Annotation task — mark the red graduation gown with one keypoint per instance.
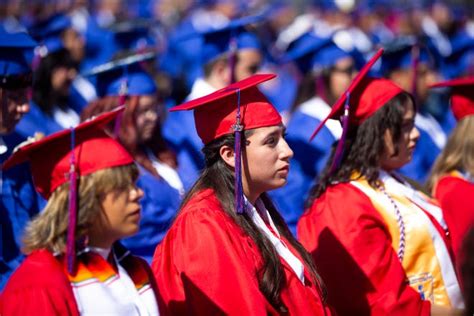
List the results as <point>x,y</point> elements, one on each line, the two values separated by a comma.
<point>455,195</point>
<point>352,248</point>
<point>38,287</point>
<point>206,265</point>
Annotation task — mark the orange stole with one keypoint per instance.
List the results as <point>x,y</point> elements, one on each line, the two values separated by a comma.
<point>426,262</point>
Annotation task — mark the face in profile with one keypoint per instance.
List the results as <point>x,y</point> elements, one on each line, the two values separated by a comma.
<point>14,106</point>
<point>121,213</point>
<point>146,117</point>
<point>266,159</point>
<point>399,152</point>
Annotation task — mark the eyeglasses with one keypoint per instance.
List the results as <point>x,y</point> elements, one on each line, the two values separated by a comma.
<point>16,82</point>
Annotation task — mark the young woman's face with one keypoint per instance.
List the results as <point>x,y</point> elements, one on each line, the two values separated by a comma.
<point>62,78</point>
<point>398,153</point>
<point>146,117</point>
<point>121,214</point>
<point>14,106</point>
<point>266,160</point>
<point>341,76</point>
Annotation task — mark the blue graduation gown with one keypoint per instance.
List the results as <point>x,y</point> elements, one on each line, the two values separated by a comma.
<point>19,203</point>
<point>308,162</point>
<point>159,206</point>
<point>37,121</point>
<point>181,135</point>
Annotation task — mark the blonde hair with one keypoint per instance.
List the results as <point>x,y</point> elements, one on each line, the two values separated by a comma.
<point>458,153</point>
<point>49,229</point>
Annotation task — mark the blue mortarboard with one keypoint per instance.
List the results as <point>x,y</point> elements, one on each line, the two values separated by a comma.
<point>48,33</point>
<point>461,59</point>
<point>218,41</point>
<point>311,52</point>
<point>111,77</point>
<point>13,53</point>
<point>132,35</point>
<point>399,54</point>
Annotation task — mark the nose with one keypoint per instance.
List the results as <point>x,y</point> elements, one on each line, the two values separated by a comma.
<point>415,134</point>
<point>136,193</point>
<point>286,152</point>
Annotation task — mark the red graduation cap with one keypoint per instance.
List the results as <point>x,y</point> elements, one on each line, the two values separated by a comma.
<point>63,156</point>
<point>364,96</point>
<point>50,157</point>
<point>215,115</point>
<point>462,96</point>
<point>231,110</point>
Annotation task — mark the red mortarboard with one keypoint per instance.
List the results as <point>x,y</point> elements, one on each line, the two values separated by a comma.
<point>366,95</point>
<point>462,96</point>
<point>50,157</point>
<point>216,114</point>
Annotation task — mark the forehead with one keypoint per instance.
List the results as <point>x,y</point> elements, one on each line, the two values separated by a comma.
<point>267,130</point>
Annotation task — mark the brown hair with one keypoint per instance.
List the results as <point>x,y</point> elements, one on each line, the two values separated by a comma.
<point>458,153</point>
<point>49,229</point>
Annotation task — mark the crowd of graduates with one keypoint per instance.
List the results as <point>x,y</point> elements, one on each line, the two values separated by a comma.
<point>237,157</point>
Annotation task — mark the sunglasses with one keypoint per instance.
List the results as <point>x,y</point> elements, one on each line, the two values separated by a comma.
<point>16,82</point>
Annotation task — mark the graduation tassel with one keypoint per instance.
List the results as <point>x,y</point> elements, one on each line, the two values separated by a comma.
<point>415,55</point>
<point>232,58</point>
<point>340,145</point>
<point>71,229</point>
<point>238,129</point>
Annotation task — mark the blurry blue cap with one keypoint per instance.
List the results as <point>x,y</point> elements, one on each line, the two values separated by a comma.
<point>48,33</point>
<point>461,59</point>
<point>111,77</point>
<point>13,52</point>
<point>218,41</point>
<point>310,52</point>
<point>132,34</point>
<point>399,54</point>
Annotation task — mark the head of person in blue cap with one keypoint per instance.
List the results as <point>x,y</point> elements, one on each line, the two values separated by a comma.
<point>411,64</point>
<point>124,81</point>
<point>15,77</point>
<point>55,33</point>
<point>327,70</point>
<point>231,53</point>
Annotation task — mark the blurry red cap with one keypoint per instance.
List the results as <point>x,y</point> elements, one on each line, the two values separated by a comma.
<point>462,96</point>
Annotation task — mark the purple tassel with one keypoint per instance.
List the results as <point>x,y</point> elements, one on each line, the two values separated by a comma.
<point>340,145</point>
<point>239,191</point>
<point>71,230</point>
<point>415,54</point>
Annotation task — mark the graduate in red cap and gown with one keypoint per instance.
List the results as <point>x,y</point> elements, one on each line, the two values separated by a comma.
<point>452,177</point>
<point>379,244</point>
<point>75,264</point>
<point>229,251</point>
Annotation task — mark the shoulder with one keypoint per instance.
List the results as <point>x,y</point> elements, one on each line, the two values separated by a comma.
<point>450,185</point>
<point>40,269</point>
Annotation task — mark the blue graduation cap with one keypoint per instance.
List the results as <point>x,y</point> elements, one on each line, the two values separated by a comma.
<point>461,60</point>
<point>14,61</point>
<point>124,77</point>
<point>400,54</point>
<point>310,52</point>
<point>132,34</point>
<point>48,33</point>
<point>219,41</point>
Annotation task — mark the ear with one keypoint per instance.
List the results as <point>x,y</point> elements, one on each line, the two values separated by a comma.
<point>227,154</point>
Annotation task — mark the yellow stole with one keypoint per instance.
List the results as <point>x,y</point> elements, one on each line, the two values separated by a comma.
<point>426,259</point>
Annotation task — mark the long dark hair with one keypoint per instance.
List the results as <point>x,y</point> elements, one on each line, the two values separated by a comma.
<point>364,146</point>
<point>220,178</point>
<point>43,94</point>
<point>312,83</point>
